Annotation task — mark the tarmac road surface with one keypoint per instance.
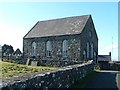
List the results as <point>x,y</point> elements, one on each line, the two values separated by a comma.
<point>106,79</point>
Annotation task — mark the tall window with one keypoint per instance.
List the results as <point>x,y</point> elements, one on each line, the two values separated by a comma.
<point>90,34</point>
<point>65,48</point>
<point>91,50</point>
<point>34,49</point>
<point>87,49</point>
<point>84,54</point>
<point>48,49</point>
<point>95,57</point>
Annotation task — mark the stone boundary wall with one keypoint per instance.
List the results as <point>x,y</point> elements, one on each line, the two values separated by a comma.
<point>61,78</point>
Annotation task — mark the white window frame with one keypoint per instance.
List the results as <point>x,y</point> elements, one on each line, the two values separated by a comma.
<point>95,56</point>
<point>48,49</point>
<point>91,50</point>
<point>84,54</point>
<point>34,45</point>
<point>88,50</point>
<point>64,48</point>
<point>90,34</point>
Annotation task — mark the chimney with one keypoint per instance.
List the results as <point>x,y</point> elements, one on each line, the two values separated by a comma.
<point>109,53</point>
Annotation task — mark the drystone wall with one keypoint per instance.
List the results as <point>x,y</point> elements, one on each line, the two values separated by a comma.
<point>61,78</point>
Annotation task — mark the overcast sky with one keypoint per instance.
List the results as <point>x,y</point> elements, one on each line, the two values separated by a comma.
<point>17,19</point>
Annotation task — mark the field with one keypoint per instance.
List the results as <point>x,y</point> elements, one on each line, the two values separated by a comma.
<point>8,69</point>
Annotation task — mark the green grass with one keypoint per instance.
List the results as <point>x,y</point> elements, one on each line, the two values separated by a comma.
<point>84,81</point>
<point>13,69</point>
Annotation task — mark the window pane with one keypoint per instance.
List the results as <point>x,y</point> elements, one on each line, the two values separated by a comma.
<point>65,48</point>
<point>48,48</point>
<point>88,50</point>
<point>91,50</point>
<point>33,49</point>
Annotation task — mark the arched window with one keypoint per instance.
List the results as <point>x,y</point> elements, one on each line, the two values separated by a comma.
<point>94,54</point>
<point>48,49</point>
<point>87,49</point>
<point>34,49</point>
<point>65,48</point>
<point>84,54</point>
<point>91,50</point>
<point>95,57</point>
<point>90,34</point>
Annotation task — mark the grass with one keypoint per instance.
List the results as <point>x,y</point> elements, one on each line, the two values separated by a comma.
<point>84,81</point>
<point>13,69</point>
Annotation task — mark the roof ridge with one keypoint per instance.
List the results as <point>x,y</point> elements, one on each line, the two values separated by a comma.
<point>64,18</point>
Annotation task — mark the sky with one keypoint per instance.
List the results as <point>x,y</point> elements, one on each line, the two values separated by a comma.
<point>17,18</point>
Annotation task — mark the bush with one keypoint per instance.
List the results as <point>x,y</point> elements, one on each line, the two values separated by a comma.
<point>96,67</point>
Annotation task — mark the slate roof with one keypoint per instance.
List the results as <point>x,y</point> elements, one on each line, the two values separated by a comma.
<point>104,58</point>
<point>56,27</point>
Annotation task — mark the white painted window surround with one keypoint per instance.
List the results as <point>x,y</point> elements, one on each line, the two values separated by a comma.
<point>48,48</point>
<point>95,56</point>
<point>34,48</point>
<point>88,49</point>
<point>91,50</point>
<point>65,48</point>
<point>84,54</point>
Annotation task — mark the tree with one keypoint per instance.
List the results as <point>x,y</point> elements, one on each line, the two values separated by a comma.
<point>4,48</point>
<point>11,50</point>
<point>7,50</point>
<point>17,52</point>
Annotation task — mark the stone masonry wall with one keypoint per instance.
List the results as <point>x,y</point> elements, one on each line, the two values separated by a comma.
<point>56,42</point>
<point>61,78</point>
<point>86,38</point>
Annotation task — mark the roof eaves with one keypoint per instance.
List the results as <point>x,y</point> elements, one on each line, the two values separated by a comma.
<point>54,36</point>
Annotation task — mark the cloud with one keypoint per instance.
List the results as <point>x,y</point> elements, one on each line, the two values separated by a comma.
<point>11,34</point>
<point>110,47</point>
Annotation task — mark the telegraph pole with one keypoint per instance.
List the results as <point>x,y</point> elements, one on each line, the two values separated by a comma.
<point>112,49</point>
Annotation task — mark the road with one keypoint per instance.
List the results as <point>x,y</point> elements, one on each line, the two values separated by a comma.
<point>105,79</point>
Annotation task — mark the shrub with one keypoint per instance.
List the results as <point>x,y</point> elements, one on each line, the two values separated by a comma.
<point>96,67</point>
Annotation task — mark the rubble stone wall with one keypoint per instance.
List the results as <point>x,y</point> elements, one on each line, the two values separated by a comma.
<point>73,52</point>
<point>61,78</point>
